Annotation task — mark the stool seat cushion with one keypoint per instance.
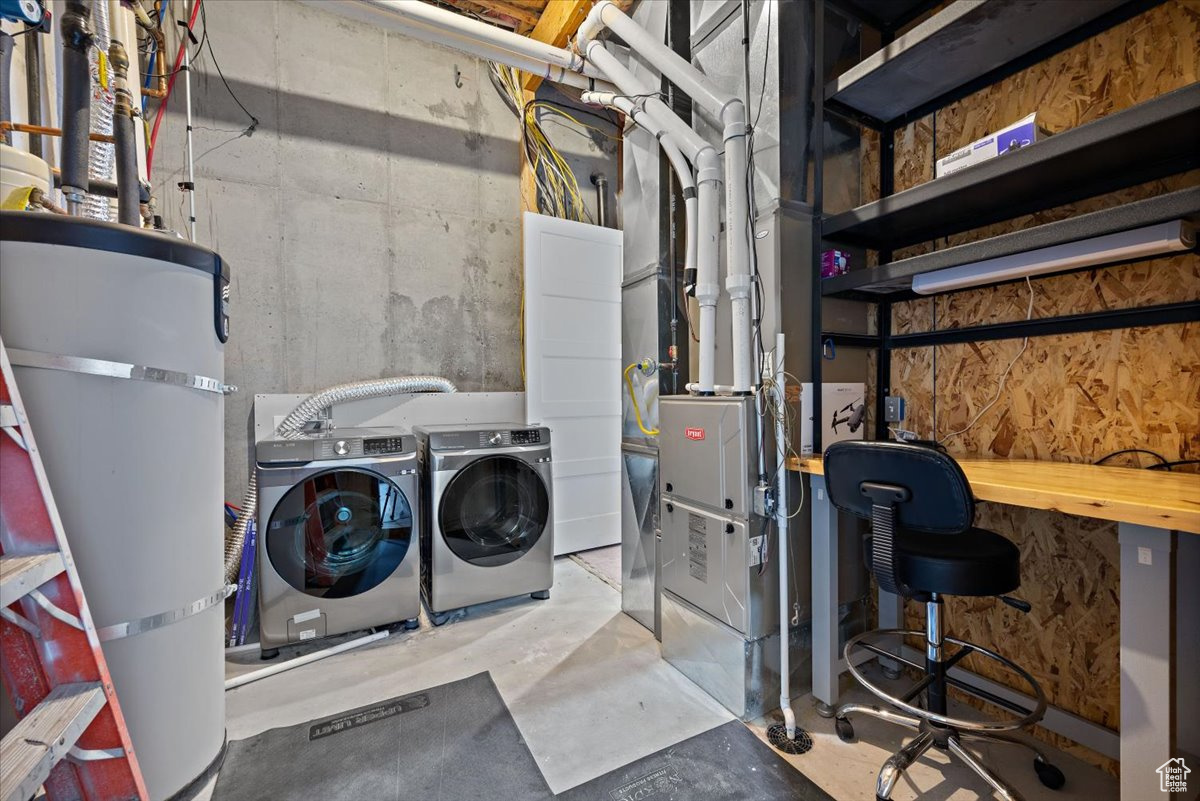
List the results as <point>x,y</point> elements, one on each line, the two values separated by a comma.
<point>976,562</point>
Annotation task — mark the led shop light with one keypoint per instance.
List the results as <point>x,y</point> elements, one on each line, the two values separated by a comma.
<point>1167,237</point>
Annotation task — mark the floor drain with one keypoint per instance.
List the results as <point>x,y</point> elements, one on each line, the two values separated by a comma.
<point>800,744</point>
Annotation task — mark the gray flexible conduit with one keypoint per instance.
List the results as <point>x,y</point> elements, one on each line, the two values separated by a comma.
<point>292,427</point>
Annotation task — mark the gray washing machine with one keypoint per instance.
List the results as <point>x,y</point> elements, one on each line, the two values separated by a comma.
<point>488,514</point>
<point>338,534</point>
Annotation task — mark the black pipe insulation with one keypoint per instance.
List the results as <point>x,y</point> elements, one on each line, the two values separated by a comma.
<point>6,50</point>
<point>33,89</point>
<point>93,186</point>
<point>77,102</point>
<point>128,189</point>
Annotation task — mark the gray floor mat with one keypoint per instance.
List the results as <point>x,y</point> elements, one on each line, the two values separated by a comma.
<point>456,742</point>
<point>727,763</point>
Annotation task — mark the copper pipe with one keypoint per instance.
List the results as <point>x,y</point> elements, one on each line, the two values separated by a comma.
<point>43,130</point>
<point>160,67</point>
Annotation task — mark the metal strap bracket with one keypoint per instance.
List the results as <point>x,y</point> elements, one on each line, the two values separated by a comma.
<point>78,754</point>
<point>20,621</point>
<point>131,628</point>
<point>109,369</point>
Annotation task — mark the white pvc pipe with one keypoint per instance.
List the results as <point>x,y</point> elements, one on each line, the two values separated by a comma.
<point>708,288</point>
<point>731,112</point>
<point>658,117</point>
<point>429,15</point>
<point>678,162</point>
<point>447,29</point>
<point>246,678</point>
<point>781,518</point>
<point>690,142</point>
<point>606,14</point>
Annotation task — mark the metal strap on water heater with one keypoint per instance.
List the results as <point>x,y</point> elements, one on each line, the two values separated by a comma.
<point>103,367</point>
<point>143,624</point>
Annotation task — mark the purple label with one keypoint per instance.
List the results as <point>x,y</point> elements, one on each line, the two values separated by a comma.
<point>1015,139</point>
<point>984,143</point>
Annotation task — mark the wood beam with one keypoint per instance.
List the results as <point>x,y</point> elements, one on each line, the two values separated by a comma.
<point>556,26</point>
<point>522,15</point>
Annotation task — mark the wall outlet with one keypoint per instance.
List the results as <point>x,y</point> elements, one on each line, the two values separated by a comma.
<point>893,409</point>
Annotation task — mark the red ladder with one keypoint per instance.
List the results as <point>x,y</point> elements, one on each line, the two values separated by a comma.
<point>71,738</point>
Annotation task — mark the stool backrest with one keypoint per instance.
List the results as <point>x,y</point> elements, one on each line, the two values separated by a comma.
<point>897,485</point>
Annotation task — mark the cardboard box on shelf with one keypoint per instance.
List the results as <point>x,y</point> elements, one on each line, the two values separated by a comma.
<point>1020,134</point>
<point>843,413</point>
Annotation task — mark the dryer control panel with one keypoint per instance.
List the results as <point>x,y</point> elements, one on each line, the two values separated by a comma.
<point>348,443</point>
<point>445,437</point>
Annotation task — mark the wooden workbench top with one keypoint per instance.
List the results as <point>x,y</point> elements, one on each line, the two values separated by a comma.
<point>1147,497</point>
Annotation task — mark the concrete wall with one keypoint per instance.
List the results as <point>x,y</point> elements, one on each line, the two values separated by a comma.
<point>372,220</point>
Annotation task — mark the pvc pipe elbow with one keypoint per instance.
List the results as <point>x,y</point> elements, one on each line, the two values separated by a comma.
<point>708,166</point>
<point>733,112</point>
<point>590,26</point>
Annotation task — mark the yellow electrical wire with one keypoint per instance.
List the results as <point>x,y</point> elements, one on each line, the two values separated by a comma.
<point>637,413</point>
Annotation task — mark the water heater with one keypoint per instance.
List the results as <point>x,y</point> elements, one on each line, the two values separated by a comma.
<point>117,338</point>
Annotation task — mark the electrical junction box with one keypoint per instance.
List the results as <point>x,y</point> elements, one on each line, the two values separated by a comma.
<point>843,413</point>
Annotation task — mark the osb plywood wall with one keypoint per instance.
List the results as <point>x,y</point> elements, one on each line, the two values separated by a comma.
<point>1072,398</point>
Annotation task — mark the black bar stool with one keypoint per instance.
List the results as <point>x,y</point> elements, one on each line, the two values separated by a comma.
<point>923,546</point>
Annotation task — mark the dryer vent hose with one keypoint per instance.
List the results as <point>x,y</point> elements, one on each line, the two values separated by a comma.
<point>292,427</point>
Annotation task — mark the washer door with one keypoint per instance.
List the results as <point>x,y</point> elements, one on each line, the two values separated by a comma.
<point>339,533</point>
<point>494,511</point>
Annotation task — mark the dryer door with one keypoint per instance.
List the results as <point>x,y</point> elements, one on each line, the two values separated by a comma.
<point>494,511</point>
<point>339,533</point>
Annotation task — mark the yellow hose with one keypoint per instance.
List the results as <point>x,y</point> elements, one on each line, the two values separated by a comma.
<point>637,413</point>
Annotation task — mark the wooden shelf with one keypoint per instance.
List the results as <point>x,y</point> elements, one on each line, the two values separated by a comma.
<point>966,43</point>
<point>893,281</point>
<point>1148,141</point>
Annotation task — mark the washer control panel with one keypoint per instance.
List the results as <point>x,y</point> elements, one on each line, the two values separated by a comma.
<point>531,436</point>
<point>383,445</point>
<point>501,439</point>
<point>347,443</point>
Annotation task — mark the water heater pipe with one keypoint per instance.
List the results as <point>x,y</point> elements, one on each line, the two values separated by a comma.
<point>77,103</point>
<point>730,111</point>
<point>7,44</point>
<point>128,189</point>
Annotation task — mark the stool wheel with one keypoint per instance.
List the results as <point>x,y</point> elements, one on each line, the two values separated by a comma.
<point>1048,774</point>
<point>845,730</point>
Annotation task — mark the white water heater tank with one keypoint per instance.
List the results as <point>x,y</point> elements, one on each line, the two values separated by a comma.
<point>136,464</point>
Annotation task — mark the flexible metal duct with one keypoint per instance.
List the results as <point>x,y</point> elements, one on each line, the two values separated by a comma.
<point>292,427</point>
<point>102,155</point>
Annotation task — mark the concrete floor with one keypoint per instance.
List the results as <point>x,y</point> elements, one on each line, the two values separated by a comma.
<point>589,692</point>
<point>604,562</point>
